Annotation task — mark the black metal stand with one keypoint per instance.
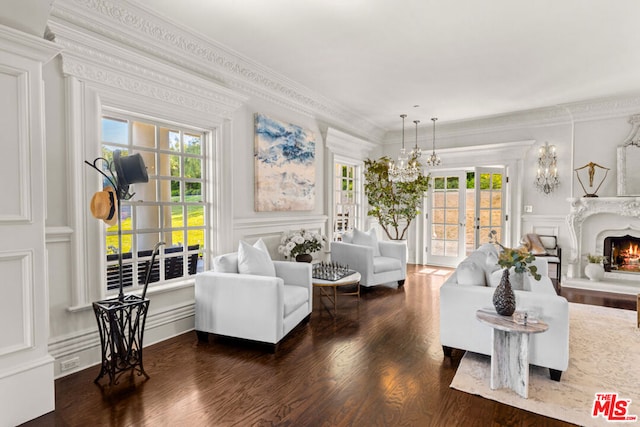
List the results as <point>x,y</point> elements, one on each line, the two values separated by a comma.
<point>121,326</point>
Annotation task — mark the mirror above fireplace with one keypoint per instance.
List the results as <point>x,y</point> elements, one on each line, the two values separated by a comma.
<point>628,159</point>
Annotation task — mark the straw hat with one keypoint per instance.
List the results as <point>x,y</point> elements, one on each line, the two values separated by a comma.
<point>103,205</point>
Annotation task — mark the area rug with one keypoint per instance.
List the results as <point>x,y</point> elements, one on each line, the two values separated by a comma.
<point>604,357</point>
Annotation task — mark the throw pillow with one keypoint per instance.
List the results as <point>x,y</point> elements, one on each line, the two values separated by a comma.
<point>549,242</point>
<point>535,245</point>
<point>255,259</point>
<point>227,263</point>
<point>490,266</point>
<point>470,273</point>
<point>516,279</point>
<point>347,237</point>
<point>366,239</point>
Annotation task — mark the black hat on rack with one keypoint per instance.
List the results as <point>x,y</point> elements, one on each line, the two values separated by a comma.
<point>130,170</point>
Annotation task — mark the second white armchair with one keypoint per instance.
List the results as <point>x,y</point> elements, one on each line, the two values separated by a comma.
<point>377,262</point>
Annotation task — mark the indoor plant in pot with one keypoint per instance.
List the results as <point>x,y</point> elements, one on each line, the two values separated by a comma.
<point>594,270</point>
<point>301,244</point>
<point>393,204</point>
<point>504,299</point>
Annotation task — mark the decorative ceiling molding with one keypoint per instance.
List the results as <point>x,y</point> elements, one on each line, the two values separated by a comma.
<point>138,27</point>
<point>594,109</point>
<point>347,145</point>
<point>93,60</point>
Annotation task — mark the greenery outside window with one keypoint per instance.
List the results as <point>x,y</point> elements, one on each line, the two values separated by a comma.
<point>346,199</point>
<point>171,207</point>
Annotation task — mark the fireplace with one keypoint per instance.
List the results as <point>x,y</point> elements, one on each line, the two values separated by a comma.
<point>622,254</point>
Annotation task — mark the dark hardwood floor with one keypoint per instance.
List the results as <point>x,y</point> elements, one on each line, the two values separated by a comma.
<point>377,363</point>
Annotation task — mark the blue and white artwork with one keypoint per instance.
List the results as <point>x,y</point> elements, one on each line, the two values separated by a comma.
<point>285,166</point>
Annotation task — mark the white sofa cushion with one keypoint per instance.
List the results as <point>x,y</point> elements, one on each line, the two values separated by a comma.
<point>470,273</point>
<point>385,263</point>
<point>255,259</point>
<point>294,297</point>
<point>367,239</point>
<point>516,279</point>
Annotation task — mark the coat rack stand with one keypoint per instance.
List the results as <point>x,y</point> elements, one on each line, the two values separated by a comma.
<point>121,320</point>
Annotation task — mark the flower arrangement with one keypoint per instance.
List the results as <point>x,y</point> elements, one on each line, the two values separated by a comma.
<point>300,242</point>
<point>595,259</point>
<point>518,258</point>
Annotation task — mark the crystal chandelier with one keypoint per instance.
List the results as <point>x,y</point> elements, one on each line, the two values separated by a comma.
<point>405,169</point>
<point>547,175</point>
<point>434,159</point>
<point>416,152</point>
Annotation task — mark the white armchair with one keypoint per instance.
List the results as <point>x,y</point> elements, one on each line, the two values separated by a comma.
<point>249,306</point>
<point>377,262</point>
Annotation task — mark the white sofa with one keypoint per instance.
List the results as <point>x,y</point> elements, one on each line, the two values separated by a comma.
<point>254,307</point>
<point>470,288</point>
<point>378,262</point>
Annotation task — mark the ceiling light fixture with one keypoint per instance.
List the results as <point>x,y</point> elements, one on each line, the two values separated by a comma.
<point>416,152</point>
<point>404,169</point>
<point>434,159</point>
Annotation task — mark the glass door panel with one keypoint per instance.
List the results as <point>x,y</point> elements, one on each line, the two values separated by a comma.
<point>445,220</point>
<point>490,212</point>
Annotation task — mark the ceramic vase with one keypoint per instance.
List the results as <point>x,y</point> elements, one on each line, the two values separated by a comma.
<point>594,271</point>
<point>504,300</point>
<point>304,258</point>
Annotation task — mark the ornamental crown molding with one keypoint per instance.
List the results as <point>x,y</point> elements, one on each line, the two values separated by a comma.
<point>92,60</point>
<point>347,145</point>
<point>140,28</point>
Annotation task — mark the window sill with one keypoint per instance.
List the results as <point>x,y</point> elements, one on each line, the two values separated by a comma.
<point>151,290</point>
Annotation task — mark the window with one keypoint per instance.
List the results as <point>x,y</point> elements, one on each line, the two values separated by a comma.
<point>346,199</point>
<point>171,207</point>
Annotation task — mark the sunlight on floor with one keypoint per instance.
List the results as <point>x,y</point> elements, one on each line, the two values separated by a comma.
<point>434,270</point>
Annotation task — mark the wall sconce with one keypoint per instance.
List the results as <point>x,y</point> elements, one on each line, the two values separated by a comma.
<point>547,174</point>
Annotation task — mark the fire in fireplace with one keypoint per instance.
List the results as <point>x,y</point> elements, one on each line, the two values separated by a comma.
<point>622,254</point>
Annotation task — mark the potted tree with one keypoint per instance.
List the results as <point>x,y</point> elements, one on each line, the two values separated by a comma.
<point>393,204</point>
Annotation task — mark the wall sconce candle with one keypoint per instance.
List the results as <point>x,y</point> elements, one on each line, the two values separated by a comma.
<point>547,174</point>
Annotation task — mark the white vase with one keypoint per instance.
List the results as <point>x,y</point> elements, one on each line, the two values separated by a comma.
<point>595,272</point>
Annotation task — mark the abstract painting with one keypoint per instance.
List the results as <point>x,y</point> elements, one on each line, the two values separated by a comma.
<point>285,166</point>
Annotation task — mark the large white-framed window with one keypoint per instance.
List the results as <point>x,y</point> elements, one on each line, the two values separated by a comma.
<point>347,197</point>
<point>170,208</point>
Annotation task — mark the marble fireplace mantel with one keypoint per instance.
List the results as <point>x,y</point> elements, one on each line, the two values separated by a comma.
<point>616,213</point>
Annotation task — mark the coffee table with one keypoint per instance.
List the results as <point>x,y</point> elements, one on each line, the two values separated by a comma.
<point>323,285</point>
<point>510,350</point>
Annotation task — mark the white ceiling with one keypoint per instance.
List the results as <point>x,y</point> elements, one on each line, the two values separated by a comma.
<point>456,59</point>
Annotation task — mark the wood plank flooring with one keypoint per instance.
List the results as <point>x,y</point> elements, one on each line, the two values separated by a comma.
<point>378,362</point>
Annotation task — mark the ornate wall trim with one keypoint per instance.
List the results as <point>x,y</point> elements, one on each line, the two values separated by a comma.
<point>584,208</point>
<point>138,27</point>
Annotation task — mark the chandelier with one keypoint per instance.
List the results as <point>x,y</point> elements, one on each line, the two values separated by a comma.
<point>547,174</point>
<point>434,159</point>
<point>405,169</point>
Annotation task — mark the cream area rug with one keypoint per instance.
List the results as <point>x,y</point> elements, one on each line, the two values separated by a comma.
<point>604,357</point>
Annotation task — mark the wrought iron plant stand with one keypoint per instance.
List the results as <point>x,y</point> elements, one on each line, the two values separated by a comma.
<point>121,320</point>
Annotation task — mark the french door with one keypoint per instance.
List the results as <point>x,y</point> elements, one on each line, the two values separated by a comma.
<point>462,208</point>
<point>490,204</point>
<point>446,221</point>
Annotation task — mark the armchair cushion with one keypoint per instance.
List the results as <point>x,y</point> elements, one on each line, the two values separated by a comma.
<point>227,263</point>
<point>294,297</point>
<point>383,263</point>
<point>255,259</point>
<point>366,239</point>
